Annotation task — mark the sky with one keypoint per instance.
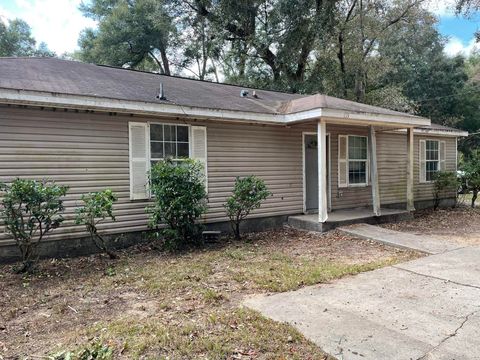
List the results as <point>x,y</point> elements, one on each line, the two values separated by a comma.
<point>59,22</point>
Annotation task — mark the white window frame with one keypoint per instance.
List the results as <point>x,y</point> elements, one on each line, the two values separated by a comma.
<point>150,142</point>
<point>425,161</point>
<point>367,160</point>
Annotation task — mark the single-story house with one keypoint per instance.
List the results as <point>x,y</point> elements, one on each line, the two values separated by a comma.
<point>94,127</point>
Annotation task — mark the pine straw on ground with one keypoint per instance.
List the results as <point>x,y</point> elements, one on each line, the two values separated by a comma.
<point>460,224</point>
<point>151,304</point>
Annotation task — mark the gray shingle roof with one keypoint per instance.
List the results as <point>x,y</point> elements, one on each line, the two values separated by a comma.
<point>75,78</point>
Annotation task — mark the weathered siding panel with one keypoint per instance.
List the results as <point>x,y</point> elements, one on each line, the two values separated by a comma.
<point>346,197</point>
<point>89,152</point>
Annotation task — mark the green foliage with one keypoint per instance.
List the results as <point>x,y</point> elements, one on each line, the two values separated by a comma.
<point>94,351</point>
<point>16,40</point>
<point>179,196</point>
<point>97,206</point>
<point>130,33</point>
<point>472,175</point>
<point>445,183</point>
<point>248,194</point>
<point>31,210</point>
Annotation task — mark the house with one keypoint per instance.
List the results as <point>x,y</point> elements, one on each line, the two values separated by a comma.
<point>94,127</point>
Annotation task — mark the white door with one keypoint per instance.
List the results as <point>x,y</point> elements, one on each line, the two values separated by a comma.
<point>311,171</point>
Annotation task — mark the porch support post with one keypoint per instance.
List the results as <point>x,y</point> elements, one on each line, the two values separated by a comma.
<point>410,197</point>
<point>372,147</point>
<point>322,171</point>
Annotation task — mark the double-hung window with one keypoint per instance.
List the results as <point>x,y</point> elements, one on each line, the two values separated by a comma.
<point>357,160</point>
<point>152,142</point>
<point>352,160</point>
<point>432,159</point>
<point>169,142</point>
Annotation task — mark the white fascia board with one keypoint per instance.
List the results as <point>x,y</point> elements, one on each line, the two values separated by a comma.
<point>40,98</point>
<point>436,132</point>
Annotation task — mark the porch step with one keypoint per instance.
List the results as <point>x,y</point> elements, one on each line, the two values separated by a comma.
<point>347,217</point>
<point>426,244</point>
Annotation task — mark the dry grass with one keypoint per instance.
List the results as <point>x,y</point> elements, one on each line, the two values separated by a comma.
<point>460,225</point>
<point>150,304</point>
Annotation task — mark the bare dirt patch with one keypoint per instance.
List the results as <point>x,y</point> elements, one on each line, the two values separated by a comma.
<point>152,304</point>
<point>460,225</point>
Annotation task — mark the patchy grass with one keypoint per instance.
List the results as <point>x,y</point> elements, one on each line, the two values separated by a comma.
<point>149,304</point>
<point>460,224</point>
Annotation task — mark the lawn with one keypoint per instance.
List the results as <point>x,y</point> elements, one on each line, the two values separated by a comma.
<point>152,304</point>
<point>460,224</point>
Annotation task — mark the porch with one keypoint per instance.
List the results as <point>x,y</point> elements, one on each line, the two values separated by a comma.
<point>345,217</point>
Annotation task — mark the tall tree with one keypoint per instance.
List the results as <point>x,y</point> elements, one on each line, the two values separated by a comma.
<point>134,33</point>
<point>16,39</point>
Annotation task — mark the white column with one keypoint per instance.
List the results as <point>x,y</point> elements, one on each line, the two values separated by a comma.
<point>322,171</point>
<point>410,197</point>
<point>372,147</point>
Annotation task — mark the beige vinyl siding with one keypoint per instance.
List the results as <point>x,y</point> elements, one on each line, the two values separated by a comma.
<point>423,191</point>
<point>346,197</point>
<point>392,167</point>
<point>89,152</point>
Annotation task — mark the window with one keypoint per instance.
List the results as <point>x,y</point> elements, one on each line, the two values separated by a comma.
<point>432,159</point>
<point>169,141</point>
<point>357,160</point>
<point>152,142</point>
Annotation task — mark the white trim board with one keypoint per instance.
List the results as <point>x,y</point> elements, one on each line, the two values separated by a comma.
<point>41,98</point>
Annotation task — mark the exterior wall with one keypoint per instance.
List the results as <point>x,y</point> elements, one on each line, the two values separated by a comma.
<point>392,167</point>
<point>89,152</point>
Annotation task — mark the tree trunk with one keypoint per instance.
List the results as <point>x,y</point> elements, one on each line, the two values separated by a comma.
<point>474,197</point>
<point>237,230</point>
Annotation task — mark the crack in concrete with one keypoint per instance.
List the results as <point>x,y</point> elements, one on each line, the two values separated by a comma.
<point>455,332</point>
<point>435,277</point>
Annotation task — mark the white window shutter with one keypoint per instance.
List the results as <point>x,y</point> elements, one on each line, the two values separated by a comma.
<point>422,161</point>
<point>442,154</point>
<point>342,160</point>
<point>138,150</point>
<point>199,148</point>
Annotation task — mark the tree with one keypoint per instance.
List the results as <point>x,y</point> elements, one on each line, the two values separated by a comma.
<point>16,39</point>
<point>248,194</point>
<point>97,207</point>
<point>179,199</point>
<point>135,33</point>
<point>31,210</point>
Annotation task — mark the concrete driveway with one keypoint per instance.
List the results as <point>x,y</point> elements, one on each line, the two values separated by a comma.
<point>428,308</point>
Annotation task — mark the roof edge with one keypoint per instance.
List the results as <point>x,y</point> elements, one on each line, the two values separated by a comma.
<point>43,98</point>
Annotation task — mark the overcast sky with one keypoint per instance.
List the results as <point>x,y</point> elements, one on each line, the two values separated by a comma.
<point>58,23</point>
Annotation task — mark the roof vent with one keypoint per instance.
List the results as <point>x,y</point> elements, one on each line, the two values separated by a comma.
<point>161,94</point>
<point>243,93</point>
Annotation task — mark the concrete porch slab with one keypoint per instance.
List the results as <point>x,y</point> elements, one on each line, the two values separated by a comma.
<point>346,217</point>
<point>426,244</point>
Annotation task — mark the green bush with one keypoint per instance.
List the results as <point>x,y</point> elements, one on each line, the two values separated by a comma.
<point>472,175</point>
<point>444,184</point>
<point>248,194</point>
<point>179,195</point>
<point>97,206</point>
<point>31,210</point>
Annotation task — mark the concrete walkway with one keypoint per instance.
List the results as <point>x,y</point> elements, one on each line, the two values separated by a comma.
<point>427,244</point>
<point>428,308</point>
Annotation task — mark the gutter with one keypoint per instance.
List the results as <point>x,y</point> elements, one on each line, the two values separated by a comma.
<point>49,99</point>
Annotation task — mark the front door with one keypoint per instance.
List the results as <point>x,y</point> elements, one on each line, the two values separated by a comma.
<point>311,172</point>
